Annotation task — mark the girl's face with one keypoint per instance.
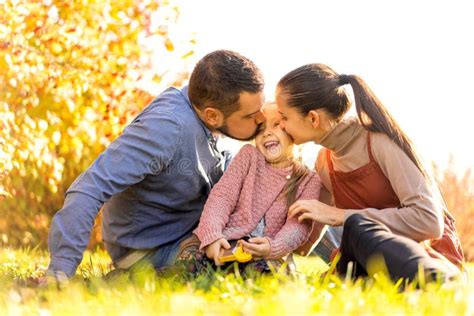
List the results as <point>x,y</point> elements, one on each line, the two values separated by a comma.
<point>299,127</point>
<point>275,145</point>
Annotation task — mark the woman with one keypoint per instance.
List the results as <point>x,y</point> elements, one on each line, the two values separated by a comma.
<point>389,206</point>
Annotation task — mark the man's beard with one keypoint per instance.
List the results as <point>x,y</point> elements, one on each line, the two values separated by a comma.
<point>224,129</point>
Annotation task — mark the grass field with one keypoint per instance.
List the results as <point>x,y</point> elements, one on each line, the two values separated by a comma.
<point>217,294</point>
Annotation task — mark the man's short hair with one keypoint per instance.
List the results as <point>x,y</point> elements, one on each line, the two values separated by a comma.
<point>220,77</point>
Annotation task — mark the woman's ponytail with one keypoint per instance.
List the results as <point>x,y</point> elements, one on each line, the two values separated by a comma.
<point>375,118</point>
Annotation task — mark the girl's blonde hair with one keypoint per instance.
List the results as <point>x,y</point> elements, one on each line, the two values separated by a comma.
<point>300,171</point>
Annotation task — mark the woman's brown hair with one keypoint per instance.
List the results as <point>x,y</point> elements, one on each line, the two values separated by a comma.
<point>317,86</point>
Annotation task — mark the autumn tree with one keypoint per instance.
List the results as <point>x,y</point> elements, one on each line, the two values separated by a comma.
<point>72,75</point>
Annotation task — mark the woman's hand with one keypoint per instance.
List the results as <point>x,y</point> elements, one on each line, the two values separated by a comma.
<point>215,250</point>
<point>258,247</point>
<point>317,211</point>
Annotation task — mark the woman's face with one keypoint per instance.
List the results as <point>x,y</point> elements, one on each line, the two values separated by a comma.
<point>274,144</point>
<point>299,127</point>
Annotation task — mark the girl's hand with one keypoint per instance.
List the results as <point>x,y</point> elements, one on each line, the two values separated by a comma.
<point>317,211</point>
<point>215,250</point>
<point>258,247</point>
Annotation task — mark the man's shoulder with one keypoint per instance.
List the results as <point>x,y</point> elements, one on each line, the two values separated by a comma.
<point>170,101</point>
<point>174,104</point>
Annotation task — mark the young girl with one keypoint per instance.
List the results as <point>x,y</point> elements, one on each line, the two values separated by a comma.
<point>252,199</point>
<point>371,173</point>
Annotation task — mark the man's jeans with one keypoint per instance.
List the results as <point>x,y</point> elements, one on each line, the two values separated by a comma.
<point>330,241</point>
<point>160,257</point>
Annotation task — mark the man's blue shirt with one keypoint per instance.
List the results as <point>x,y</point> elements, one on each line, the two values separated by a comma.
<point>152,182</point>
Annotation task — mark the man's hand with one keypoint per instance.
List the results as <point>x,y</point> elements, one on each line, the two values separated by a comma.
<point>258,247</point>
<point>216,249</point>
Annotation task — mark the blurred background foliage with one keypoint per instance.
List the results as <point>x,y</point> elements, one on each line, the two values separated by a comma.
<point>72,75</point>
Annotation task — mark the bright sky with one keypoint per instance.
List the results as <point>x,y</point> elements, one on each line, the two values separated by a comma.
<point>417,56</point>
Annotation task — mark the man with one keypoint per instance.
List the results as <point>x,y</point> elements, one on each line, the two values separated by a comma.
<point>153,180</point>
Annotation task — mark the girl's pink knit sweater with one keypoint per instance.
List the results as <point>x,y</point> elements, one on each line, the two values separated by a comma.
<point>249,190</point>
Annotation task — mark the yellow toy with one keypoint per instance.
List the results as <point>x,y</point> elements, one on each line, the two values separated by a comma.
<point>238,254</point>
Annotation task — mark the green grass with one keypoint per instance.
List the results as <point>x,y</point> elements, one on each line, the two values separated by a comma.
<point>217,294</point>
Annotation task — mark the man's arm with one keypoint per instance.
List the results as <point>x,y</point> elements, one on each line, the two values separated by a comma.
<point>70,232</point>
<point>145,147</point>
